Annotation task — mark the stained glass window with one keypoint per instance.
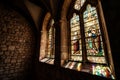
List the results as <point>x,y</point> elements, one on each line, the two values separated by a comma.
<point>51,43</point>
<point>50,48</point>
<point>95,47</point>
<point>76,46</point>
<point>78,4</point>
<point>76,49</point>
<point>93,38</point>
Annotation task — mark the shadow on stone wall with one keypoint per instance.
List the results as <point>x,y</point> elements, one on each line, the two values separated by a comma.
<point>17,45</point>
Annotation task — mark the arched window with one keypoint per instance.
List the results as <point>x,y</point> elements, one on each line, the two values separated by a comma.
<point>93,37</point>
<point>49,44</point>
<point>76,48</point>
<point>88,48</point>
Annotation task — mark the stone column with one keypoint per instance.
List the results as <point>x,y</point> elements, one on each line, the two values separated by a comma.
<point>57,43</point>
<point>64,31</point>
<point>64,40</point>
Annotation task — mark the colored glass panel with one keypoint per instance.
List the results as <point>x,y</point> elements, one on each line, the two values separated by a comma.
<point>76,48</point>
<point>101,70</point>
<point>93,37</point>
<point>78,4</point>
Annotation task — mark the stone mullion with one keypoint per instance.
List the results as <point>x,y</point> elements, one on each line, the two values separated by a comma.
<point>84,51</point>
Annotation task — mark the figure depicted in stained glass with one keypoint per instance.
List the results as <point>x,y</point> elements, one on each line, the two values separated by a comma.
<point>76,44</point>
<point>91,40</point>
<point>94,42</point>
<point>93,31</point>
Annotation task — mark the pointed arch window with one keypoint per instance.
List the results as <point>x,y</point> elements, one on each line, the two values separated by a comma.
<point>88,43</point>
<point>93,38</point>
<point>50,44</point>
<point>51,41</point>
<point>76,48</point>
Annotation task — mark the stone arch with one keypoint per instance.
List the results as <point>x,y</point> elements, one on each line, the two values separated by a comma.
<point>44,35</point>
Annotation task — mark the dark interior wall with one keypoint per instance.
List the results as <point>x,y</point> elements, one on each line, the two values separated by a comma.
<point>17,45</point>
<point>35,11</point>
<point>112,16</point>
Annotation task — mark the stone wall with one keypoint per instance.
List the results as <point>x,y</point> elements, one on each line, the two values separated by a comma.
<point>17,45</point>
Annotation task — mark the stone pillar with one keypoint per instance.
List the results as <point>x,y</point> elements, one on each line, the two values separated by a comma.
<point>64,31</point>
<point>57,43</point>
<point>43,43</point>
<point>64,40</point>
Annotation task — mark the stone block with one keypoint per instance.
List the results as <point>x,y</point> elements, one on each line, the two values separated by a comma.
<point>11,47</point>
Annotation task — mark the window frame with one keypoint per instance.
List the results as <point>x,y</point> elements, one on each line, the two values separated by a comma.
<point>84,50</point>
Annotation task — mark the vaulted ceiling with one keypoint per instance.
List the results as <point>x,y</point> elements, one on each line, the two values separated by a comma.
<point>29,8</point>
<point>53,6</point>
<point>35,10</point>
